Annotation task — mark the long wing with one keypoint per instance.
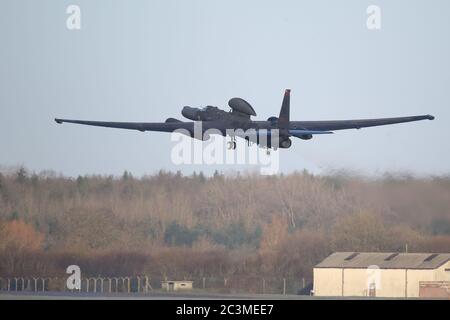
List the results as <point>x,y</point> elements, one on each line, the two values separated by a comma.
<point>168,126</point>
<point>353,124</point>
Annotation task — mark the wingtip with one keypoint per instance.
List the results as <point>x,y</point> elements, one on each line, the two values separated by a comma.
<point>58,121</point>
<point>430,117</point>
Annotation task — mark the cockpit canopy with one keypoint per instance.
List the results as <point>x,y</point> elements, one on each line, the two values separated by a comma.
<point>209,108</point>
<point>207,113</point>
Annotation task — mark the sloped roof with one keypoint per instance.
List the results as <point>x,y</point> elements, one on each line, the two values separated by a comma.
<point>384,260</point>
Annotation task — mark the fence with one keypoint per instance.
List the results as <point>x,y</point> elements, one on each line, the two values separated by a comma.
<point>253,285</point>
<point>145,284</point>
<point>132,284</point>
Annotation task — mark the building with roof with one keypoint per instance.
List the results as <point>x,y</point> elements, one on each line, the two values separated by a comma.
<point>396,275</point>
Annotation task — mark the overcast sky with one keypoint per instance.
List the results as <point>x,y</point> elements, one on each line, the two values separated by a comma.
<point>144,60</point>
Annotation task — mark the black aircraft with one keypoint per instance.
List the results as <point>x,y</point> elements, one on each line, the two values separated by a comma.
<point>237,123</point>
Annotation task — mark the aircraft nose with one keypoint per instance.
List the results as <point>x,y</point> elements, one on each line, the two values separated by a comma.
<point>190,113</point>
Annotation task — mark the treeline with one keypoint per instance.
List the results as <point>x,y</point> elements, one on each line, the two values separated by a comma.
<point>221,226</point>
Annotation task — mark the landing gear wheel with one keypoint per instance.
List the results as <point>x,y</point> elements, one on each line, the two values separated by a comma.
<point>286,143</point>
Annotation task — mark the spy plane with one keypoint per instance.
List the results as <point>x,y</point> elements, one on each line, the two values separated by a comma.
<point>275,132</point>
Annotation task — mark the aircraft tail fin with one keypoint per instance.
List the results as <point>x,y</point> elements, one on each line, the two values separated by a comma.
<point>283,119</point>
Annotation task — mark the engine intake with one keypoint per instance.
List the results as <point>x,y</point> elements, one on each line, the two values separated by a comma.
<point>242,106</point>
<point>273,121</point>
